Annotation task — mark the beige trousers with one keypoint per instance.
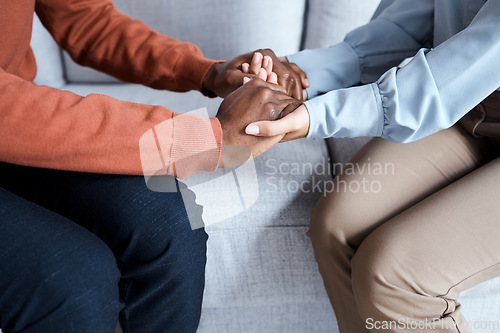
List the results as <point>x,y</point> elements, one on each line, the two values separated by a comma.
<point>395,256</point>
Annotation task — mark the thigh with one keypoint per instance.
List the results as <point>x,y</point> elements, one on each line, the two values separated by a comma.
<point>443,245</point>
<point>135,222</point>
<point>47,260</point>
<point>386,178</point>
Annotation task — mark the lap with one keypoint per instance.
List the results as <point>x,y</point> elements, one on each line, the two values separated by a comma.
<point>121,210</point>
<point>450,238</point>
<point>401,174</point>
<point>50,263</point>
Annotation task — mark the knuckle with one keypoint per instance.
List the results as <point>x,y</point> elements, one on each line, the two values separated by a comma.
<point>271,111</point>
<point>267,93</point>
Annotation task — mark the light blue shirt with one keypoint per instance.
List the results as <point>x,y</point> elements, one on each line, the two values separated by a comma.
<point>455,46</point>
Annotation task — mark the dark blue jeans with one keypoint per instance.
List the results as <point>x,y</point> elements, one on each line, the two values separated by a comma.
<point>80,251</point>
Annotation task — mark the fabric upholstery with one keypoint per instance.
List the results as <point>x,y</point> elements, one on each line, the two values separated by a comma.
<point>261,274</point>
<point>329,21</point>
<point>239,27</point>
<point>48,57</point>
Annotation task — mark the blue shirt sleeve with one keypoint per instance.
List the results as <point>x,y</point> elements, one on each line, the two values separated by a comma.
<point>432,92</point>
<point>398,30</point>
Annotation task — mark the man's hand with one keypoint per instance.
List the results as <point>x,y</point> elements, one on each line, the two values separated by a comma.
<point>223,78</point>
<point>254,101</point>
<point>294,124</point>
<point>290,76</point>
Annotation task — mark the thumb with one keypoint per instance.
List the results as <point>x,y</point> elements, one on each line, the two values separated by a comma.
<point>272,128</point>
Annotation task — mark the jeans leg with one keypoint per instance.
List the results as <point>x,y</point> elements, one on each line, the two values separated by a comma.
<point>56,276</point>
<point>162,261</point>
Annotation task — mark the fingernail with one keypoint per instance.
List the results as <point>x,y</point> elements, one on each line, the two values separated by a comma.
<point>266,61</point>
<point>306,81</point>
<point>252,130</point>
<point>245,67</point>
<point>245,80</point>
<point>257,57</point>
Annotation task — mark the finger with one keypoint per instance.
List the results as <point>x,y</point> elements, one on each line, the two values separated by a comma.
<point>256,63</point>
<point>272,128</point>
<point>245,67</point>
<point>277,87</point>
<point>267,64</point>
<point>262,74</point>
<point>303,76</point>
<point>272,78</point>
<point>298,91</point>
<point>290,136</point>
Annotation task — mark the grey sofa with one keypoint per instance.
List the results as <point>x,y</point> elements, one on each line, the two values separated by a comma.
<point>261,274</point>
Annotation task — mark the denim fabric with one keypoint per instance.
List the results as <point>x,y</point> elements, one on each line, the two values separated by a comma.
<point>77,248</point>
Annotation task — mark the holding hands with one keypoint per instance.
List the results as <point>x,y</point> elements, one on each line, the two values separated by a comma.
<point>255,100</point>
<point>224,78</point>
<point>266,110</point>
<point>293,122</point>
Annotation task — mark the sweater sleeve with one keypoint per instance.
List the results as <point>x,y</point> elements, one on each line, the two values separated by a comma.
<point>49,128</point>
<point>97,35</point>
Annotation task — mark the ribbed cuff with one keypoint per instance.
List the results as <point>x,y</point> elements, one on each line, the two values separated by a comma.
<point>196,145</point>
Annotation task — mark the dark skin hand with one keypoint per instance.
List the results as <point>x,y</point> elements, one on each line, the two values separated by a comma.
<point>224,78</point>
<point>255,101</point>
<point>290,76</point>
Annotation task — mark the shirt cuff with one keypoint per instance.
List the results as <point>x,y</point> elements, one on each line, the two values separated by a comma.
<point>196,146</point>
<point>328,69</point>
<point>351,112</point>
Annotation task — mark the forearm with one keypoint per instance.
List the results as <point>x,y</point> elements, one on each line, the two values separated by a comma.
<point>49,128</point>
<point>398,32</point>
<point>97,35</point>
<point>429,94</point>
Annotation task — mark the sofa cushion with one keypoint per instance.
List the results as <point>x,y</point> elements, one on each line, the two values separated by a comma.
<point>264,280</point>
<point>222,29</point>
<point>48,57</point>
<point>329,21</point>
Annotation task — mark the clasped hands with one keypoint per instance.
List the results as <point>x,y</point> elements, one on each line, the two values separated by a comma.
<point>262,105</point>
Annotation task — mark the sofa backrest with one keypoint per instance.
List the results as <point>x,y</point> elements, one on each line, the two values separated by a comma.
<point>329,21</point>
<point>226,28</point>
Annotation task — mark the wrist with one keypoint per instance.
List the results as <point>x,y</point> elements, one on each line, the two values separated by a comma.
<point>209,86</point>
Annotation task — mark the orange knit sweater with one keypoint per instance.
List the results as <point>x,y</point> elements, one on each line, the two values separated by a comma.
<point>50,128</point>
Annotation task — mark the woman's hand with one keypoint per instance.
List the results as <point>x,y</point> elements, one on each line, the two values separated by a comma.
<point>293,125</point>
<point>254,101</point>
